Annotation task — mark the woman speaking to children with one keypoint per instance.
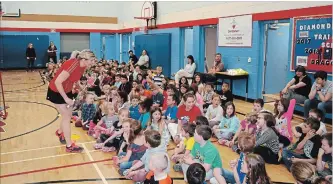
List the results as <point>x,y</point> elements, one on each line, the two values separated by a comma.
<point>60,92</point>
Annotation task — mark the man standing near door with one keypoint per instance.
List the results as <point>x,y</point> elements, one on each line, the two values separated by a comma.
<point>30,54</point>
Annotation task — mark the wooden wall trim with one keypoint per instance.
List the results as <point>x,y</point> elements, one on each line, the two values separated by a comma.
<point>63,18</point>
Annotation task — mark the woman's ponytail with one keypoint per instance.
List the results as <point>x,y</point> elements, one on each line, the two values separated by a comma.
<point>75,54</point>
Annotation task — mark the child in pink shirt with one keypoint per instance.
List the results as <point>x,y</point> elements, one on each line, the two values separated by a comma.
<point>284,110</point>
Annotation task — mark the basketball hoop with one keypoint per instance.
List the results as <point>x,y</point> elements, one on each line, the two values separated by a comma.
<point>148,13</point>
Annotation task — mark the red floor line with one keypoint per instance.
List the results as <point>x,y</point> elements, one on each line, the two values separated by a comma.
<point>53,168</point>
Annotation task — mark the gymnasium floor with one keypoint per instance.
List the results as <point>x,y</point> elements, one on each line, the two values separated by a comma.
<point>31,153</point>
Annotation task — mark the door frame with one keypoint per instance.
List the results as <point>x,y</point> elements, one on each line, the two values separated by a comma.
<point>216,46</point>
<point>182,64</point>
<point>263,49</point>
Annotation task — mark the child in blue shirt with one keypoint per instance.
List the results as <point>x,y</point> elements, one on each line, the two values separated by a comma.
<point>117,81</point>
<point>134,109</point>
<point>171,111</point>
<point>144,109</point>
<point>246,143</point>
<point>228,126</point>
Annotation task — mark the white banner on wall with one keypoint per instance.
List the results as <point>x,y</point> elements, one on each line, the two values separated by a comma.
<point>235,31</point>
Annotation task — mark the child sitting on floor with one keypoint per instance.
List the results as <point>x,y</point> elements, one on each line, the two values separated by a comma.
<point>248,125</point>
<point>267,139</point>
<point>88,111</point>
<point>184,148</point>
<point>105,125</point>
<point>307,146</point>
<point>157,123</point>
<point>325,157</point>
<point>316,113</point>
<point>134,108</point>
<point>214,112</point>
<point>196,174</point>
<point>144,109</point>
<point>207,95</point>
<point>139,170</point>
<point>136,149</point>
<point>225,94</point>
<point>228,126</point>
<point>159,165</point>
<point>283,120</point>
<point>205,153</point>
<point>246,144</point>
<point>110,142</point>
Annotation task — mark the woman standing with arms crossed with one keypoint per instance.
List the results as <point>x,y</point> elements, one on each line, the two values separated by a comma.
<point>60,92</point>
<point>30,53</point>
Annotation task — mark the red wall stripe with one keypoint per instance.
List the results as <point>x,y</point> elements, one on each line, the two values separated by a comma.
<point>284,14</point>
<point>275,15</point>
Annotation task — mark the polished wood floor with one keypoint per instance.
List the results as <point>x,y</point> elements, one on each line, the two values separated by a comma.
<point>30,152</point>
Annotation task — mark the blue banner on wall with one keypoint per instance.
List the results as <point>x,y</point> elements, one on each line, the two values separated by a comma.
<point>312,46</point>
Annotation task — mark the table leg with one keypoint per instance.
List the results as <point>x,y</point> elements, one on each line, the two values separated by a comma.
<point>247,88</point>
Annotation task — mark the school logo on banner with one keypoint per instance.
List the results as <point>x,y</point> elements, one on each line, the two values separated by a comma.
<point>235,31</point>
<point>312,46</point>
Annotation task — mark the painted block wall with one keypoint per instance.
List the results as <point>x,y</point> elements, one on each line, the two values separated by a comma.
<point>176,56</point>
<point>96,44</point>
<point>55,37</point>
<point>78,8</point>
<point>185,11</point>
<point>238,58</point>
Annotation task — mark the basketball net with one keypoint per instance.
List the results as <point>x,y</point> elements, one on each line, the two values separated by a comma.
<point>139,26</point>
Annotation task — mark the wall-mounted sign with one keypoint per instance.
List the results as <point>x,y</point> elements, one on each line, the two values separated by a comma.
<point>235,31</point>
<point>312,43</point>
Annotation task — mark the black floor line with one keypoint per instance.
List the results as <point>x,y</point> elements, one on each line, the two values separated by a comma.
<point>57,116</point>
<point>86,180</point>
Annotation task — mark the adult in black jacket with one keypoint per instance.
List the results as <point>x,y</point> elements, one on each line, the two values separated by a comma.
<point>52,52</point>
<point>30,53</point>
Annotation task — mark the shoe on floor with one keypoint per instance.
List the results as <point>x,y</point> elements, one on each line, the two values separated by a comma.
<point>74,149</point>
<point>177,167</point>
<point>108,149</point>
<point>61,137</point>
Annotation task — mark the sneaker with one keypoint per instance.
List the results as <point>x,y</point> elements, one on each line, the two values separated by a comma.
<point>177,168</point>
<point>61,137</point>
<point>74,149</point>
<point>98,146</point>
<point>108,149</point>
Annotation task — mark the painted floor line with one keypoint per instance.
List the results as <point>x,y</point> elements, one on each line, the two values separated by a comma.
<point>53,168</point>
<point>42,148</point>
<point>40,158</point>
<point>94,164</point>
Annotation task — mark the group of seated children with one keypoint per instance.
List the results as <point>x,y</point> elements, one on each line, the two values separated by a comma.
<point>138,113</point>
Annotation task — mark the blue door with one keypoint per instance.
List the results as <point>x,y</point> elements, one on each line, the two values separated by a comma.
<point>158,47</point>
<point>188,44</point>
<point>109,46</point>
<point>277,56</point>
<point>125,47</point>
